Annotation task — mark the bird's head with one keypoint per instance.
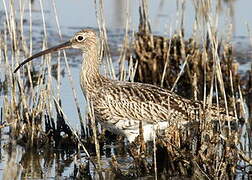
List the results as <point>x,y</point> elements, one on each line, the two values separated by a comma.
<point>84,40</point>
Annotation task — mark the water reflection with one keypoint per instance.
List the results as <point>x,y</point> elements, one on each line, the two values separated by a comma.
<point>19,163</point>
<point>46,163</point>
<point>31,163</point>
<point>12,168</point>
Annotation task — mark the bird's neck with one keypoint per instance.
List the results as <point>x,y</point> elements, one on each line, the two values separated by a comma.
<point>90,77</point>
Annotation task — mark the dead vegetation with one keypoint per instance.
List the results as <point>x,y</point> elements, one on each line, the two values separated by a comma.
<point>203,71</point>
<point>161,60</point>
<point>204,150</point>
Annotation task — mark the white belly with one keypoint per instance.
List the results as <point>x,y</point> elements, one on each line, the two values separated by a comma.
<point>130,129</point>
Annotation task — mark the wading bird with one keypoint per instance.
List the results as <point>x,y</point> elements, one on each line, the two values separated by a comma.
<point>120,106</point>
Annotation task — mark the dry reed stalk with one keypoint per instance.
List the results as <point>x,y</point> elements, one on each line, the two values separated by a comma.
<point>27,108</point>
<point>49,75</point>
<point>214,86</point>
<point>24,45</point>
<point>145,16</point>
<point>125,48</point>
<point>7,16</point>
<point>233,95</point>
<point>180,73</point>
<point>104,38</point>
<point>132,68</point>
<point>58,59</point>
<point>21,12</point>
<point>93,126</point>
<point>166,61</point>
<point>211,150</point>
<point>214,42</point>
<point>154,153</point>
<point>9,30</point>
<point>68,69</point>
<point>249,83</point>
<point>73,131</point>
<point>205,77</point>
<point>25,101</point>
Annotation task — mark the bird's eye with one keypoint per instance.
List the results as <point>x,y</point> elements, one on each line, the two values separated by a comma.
<point>80,38</point>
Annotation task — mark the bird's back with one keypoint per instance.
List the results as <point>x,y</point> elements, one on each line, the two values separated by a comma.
<point>118,100</point>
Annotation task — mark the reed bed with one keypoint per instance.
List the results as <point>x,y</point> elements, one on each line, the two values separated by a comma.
<point>32,108</point>
<point>30,105</point>
<point>202,70</point>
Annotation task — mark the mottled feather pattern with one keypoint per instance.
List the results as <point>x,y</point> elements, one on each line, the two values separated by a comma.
<point>144,102</point>
<point>121,106</point>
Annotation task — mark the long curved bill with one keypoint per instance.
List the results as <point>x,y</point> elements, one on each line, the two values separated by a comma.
<point>47,51</point>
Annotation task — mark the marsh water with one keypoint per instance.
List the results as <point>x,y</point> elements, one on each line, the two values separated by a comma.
<point>76,15</point>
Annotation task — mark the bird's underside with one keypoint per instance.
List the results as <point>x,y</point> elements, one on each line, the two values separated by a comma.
<point>120,106</point>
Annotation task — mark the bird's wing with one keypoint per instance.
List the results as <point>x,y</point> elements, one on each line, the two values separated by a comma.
<point>125,100</point>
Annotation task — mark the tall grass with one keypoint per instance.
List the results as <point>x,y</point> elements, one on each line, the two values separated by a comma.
<point>203,65</point>
<point>35,117</point>
<point>33,111</point>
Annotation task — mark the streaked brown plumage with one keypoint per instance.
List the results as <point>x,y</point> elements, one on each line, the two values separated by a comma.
<point>120,106</point>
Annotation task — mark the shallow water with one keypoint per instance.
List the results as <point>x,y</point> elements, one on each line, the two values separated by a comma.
<point>78,14</point>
